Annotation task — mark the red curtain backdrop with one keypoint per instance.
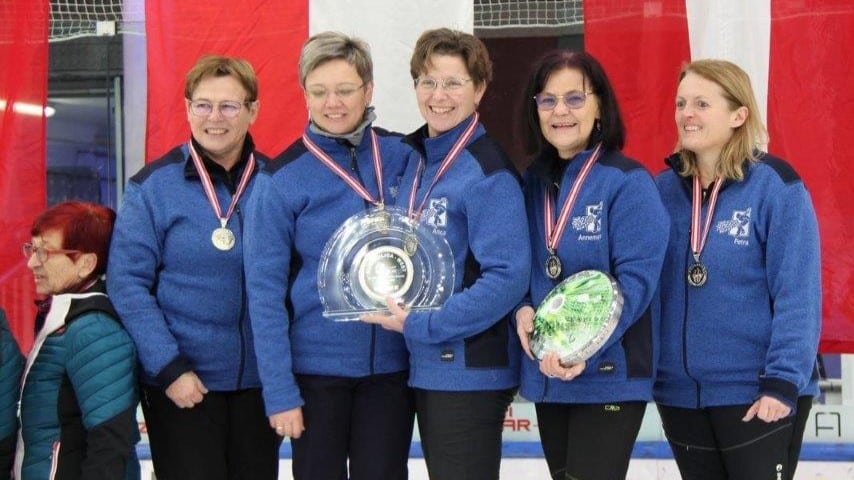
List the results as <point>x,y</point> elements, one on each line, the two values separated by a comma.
<point>23,80</point>
<point>267,33</point>
<point>642,46</point>
<point>810,98</point>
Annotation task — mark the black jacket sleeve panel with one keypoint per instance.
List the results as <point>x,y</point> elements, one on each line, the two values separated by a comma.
<point>7,456</point>
<point>107,452</point>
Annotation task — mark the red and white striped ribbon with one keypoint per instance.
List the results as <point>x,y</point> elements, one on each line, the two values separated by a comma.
<point>452,155</point>
<point>554,230</point>
<point>207,184</point>
<point>349,179</point>
<point>698,237</point>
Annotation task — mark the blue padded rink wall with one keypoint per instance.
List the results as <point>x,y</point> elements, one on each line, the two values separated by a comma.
<point>828,451</point>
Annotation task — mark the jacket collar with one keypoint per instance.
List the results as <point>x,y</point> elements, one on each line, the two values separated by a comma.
<point>354,138</point>
<point>435,148</point>
<point>215,170</point>
<point>674,161</point>
<point>550,168</point>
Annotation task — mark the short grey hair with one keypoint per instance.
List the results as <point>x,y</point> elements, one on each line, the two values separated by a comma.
<point>326,46</point>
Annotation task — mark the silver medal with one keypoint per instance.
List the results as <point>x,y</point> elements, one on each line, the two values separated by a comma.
<point>223,239</point>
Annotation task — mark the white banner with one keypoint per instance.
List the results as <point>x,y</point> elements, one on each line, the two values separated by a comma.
<point>734,30</point>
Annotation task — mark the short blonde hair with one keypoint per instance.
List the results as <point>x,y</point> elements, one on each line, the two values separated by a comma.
<point>748,137</point>
<point>327,46</point>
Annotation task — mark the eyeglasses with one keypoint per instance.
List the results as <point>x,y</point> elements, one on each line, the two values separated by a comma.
<point>42,253</point>
<point>450,84</point>
<point>573,100</point>
<point>343,91</point>
<point>228,108</point>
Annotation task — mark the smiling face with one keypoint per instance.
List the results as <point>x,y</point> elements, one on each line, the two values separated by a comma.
<point>337,96</point>
<point>566,129</point>
<point>59,272</point>
<point>705,120</point>
<point>221,137</point>
<point>441,108</point>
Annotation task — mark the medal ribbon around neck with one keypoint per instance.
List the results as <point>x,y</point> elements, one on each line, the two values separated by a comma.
<point>349,179</point>
<point>449,159</point>
<point>554,230</point>
<point>698,237</point>
<point>209,188</point>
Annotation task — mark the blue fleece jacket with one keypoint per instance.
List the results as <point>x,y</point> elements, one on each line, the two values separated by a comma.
<point>468,345</point>
<point>298,205</point>
<point>182,300</point>
<point>753,328</point>
<point>617,225</point>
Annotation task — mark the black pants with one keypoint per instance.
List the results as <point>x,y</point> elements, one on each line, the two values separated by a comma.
<point>461,432</point>
<point>714,444</point>
<point>366,420</point>
<point>225,437</point>
<point>589,441</point>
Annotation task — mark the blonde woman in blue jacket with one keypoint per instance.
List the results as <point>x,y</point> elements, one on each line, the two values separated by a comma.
<point>740,290</point>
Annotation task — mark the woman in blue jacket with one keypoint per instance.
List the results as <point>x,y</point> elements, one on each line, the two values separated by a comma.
<point>338,389</point>
<point>464,356</point>
<point>740,290</point>
<point>589,414</point>
<point>79,393</point>
<point>176,277</point>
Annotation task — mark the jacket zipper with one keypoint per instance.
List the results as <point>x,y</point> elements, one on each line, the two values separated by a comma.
<point>685,336</point>
<point>240,321</point>
<point>354,167</point>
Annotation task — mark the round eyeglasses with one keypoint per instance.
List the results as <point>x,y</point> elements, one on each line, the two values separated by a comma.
<point>573,100</point>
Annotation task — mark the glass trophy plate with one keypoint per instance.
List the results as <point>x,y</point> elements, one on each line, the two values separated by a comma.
<point>379,253</point>
<point>577,317</point>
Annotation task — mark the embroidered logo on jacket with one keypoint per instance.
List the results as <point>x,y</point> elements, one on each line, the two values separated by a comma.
<point>589,224</point>
<point>737,227</point>
<point>436,213</point>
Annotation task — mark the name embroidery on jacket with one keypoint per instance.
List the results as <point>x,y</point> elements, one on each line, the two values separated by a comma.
<point>737,227</point>
<point>589,224</point>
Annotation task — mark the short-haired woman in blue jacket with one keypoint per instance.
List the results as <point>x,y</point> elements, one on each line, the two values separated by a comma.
<point>176,278</point>
<point>464,356</point>
<point>338,389</point>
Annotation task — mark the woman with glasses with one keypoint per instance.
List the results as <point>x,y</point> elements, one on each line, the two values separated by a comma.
<point>589,207</point>
<point>176,275</point>
<point>464,356</point>
<point>740,289</point>
<point>79,394</point>
<point>338,389</point>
